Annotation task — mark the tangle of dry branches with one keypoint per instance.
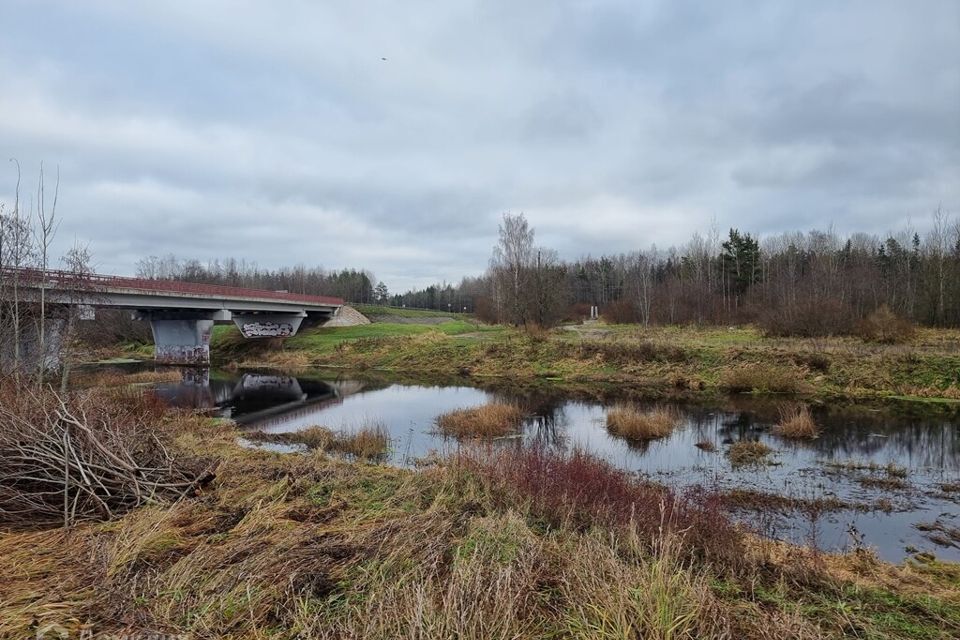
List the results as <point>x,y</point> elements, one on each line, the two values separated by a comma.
<point>84,456</point>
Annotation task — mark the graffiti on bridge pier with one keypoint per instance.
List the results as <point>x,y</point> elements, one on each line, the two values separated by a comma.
<point>266,330</point>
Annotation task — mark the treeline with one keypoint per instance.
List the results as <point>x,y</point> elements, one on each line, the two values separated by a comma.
<point>812,283</point>
<point>350,284</point>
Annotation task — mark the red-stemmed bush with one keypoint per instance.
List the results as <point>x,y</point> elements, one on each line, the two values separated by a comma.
<point>575,489</point>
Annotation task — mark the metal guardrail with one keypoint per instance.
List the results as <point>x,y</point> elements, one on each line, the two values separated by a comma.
<point>97,282</point>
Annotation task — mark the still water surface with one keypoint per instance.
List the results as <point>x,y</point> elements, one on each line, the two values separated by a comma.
<point>926,446</point>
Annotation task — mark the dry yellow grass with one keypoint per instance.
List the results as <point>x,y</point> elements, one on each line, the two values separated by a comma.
<point>489,421</point>
<point>744,452</point>
<point>366,443</point>
<point>307,546</point>
<point>631,423</point>
<point>118,378</point>
<point>796,422</point>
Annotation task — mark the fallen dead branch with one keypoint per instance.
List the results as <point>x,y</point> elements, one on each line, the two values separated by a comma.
<point>85,456</point>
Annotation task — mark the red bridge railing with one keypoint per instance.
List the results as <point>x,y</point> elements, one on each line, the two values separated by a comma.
<point>98,282</point>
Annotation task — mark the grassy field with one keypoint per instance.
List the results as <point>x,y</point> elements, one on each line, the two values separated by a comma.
<point>657,360</point>
<point>402,312</point>
<point>477,546</point>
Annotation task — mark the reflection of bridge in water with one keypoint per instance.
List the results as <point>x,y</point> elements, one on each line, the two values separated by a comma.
<point>260,399</point>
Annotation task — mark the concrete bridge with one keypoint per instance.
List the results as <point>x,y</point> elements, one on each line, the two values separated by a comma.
<point>181,314</point>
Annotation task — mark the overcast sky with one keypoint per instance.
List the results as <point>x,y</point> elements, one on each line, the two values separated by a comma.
<point>276,132</point>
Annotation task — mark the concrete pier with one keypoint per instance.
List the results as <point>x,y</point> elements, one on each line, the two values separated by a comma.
<point>182,341</point>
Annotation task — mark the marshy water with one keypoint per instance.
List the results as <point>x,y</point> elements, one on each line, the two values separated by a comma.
<point>882,478</point>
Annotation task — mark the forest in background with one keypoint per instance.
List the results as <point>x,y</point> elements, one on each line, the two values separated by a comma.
<point>799,283</point>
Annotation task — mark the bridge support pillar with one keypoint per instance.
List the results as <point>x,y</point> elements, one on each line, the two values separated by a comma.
<point>24,351</point>
<point>181,339</point>
<point>268,325</point>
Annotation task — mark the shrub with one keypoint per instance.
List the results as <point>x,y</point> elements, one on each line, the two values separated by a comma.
<point>796,422</point>
<point>485,310</point>
<point>748,452</point>
<point>885,327</point>
<point>578,312</point>
<point>488,421</point>
<point>807,318</point>
<point>620,312</point>
<point>626,352</point>
<point>559,488</point>
<point>630,423</point>
<point>813,361</point>
<point>761,377</point>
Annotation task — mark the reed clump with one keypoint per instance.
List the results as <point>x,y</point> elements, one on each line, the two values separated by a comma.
<point>489,421</point>
<point>748,452</point>
<point>365,443</point>
<point>631,423</point>
<point>796,423</point>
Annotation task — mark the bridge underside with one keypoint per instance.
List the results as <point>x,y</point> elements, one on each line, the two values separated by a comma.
<point>183,337</point>
<point>181,315</point>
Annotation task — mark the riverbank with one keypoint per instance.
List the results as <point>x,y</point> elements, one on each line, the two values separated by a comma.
<point>654,361</point>
<point>475,546</point>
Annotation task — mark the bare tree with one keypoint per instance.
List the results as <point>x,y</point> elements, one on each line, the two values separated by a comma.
<point>510,266</point>
<point>546,296</point>
<point>44,232</point>
<point>938,247</point>
<point>76,262</point>
<point>16,253</point>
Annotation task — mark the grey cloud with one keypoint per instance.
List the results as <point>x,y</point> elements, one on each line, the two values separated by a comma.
<point>275,132</point>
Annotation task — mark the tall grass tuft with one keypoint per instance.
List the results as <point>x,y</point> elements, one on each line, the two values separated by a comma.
<point>763,378</point>
<point>489,421</point>
<point>660,598</point>
<point>631,423</point>
<point>748,452</point>
<point>796,423</point>
<point>366,443</point>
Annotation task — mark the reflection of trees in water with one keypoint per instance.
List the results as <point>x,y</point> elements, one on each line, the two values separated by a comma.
<point>636,446</point>
<point>910,440</point>
<point>913,441</point>
<point>547,421</point>
<point>727,427</point>
<point>548,427</point>
<point>848,430</point>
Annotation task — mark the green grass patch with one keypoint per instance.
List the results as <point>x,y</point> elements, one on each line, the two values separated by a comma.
<point>402,312</point>
<point>326,339</point>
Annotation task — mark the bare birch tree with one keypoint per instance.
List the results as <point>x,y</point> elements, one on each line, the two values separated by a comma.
<point>44,233</point>
<point>510,266</point>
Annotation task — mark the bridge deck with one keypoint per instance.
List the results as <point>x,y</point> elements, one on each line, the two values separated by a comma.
<point>106,290</point>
